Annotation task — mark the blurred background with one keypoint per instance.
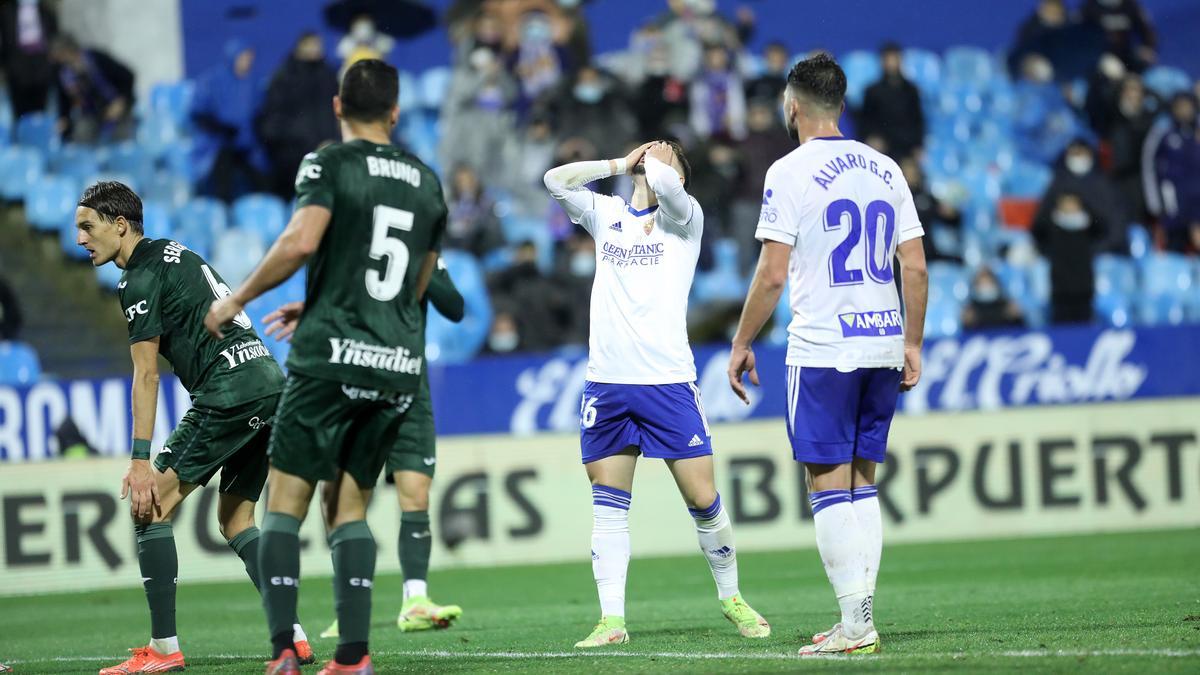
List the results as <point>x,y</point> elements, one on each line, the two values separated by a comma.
<point>1051,146</point>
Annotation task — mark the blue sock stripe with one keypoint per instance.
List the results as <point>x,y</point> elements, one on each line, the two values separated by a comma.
<point>865,492</point>
<point>826,498</point>
<point>602,495</point>
<point>708,513</point>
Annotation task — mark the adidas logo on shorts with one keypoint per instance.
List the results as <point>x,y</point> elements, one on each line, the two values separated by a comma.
<point>695,441</point>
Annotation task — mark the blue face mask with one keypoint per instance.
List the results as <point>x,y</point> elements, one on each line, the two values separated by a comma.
<point>589,93</point>
<point>537,31</point>
<point>583,264</point>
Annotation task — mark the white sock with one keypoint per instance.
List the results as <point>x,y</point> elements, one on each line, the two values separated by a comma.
<point>610,547</point>
<point>415,588</point>
<point>298,633</point>
<point>166,646</point>
<point>843,551</point>
<point>716,541</point>
<point>870,521</point>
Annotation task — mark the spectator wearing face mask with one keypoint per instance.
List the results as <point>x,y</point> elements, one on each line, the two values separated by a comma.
<point>537,55</point>
<point>594,108</point>
<point>1054,32</point>
<point>295,117</point>
<point>660,98</point>
<point>766,141</point>
<point>1132,120</point>
<point>1077,173</point>
<point>715,181</point>
<point>1171,174</point>
<point>529,157</point>
<point>1066,233</point>
<point>477,117</point>
<point>545,311</point>
<point>1104,88</point>
<point>576,270</point>
<point>988,307</point>
<point>364,41</point>
<point>504,337</point>
<point>891,119</point>
<point>471,224</point>
<point>718,99</point>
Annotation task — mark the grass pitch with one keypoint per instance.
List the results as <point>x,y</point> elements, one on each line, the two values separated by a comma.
<point>1097,603</point>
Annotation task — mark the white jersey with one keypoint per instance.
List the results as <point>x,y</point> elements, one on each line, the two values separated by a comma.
<point>843,207</point>
<point>645,262</point>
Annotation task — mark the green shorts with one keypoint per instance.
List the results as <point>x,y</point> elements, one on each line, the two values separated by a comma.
<point>415,448</point>
<point>232,440</point>
<point>324,427</point>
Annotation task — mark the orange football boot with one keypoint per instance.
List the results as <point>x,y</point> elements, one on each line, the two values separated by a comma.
<point>286,664</point>
<point>363,667</point>
<point>147,660</point>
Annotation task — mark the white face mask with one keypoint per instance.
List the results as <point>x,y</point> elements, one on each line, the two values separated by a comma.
<point>1079,164</point>
<point>987,292</point>
<point>362,30</point>
<point>1072,221</point>
<point>583,264</point>
<point>503,342</point>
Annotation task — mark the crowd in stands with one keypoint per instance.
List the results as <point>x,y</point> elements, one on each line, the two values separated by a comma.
<point>1076,151</point>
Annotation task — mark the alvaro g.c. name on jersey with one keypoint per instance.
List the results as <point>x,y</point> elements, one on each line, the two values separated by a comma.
<point>362,323</point>
<point>844,208</point>
<point>165,292</point>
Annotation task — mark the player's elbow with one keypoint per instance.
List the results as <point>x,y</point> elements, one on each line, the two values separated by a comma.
<point>296,245</point>
<point>552,183</point>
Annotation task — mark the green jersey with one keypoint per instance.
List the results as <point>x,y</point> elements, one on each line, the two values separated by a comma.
<point>166,291</point>
<point>362,323</point>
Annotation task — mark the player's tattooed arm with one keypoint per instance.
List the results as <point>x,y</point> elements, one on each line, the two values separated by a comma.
<point>770,278</point>
<point>139,482</point>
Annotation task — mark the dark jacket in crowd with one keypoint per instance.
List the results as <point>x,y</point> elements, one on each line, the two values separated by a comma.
<point>91,88</point>
<point>545,314</point>
<point>10,313</point>
<point>296,117</point>
<point>1171,170</point>
<point>891,109</point>
<point>1100,198</point>
<point>1126,26</point>
<point>1126,140</point>
<point>25,55</point>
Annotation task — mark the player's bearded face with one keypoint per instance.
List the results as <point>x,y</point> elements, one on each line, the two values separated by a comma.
<point>639,169</point>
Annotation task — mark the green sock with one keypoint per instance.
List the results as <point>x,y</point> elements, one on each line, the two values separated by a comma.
<point>353,551</point>
<point>279,562</point>
<point>416,541</point>
<point>245,545</point>
<point>159,564</point>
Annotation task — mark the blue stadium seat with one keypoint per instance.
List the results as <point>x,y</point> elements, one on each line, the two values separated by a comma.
<point>943,319</point>
<point>132,159</point>
<point>167,187</point>
<point>262,213</point>
<point>157,133</point>
<point>156,220</point>
<point>1115,275</point>
<point>1141,244</point>
<point>967,64</point>
<point>20,168</point>
<point>1162,310</point>
<point>862,70</point>
<point>949,280</point>
<point>923,67</point>
<point>448,342</point>
<point>76,161</point>
<point>1166,81</point>
<point>37,130</point>
<point>119,176</point>
<point>1039,293</point>
<point>201,219</point>
<point>1166,274</point>
<point>518,228</point>
<point>50,203</point>
<point>434,85</point>
<point>723,282</point>
<point>18,364</point>
<point>236,252</point>
<point>178,159</point>
<point>1027,179</point>
<point>173,100</point>
<point>410,96</point>
<point>1113,309</point>
<point>781,318</point>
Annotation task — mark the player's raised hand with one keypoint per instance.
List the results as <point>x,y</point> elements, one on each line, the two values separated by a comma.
<point>142,489</point>
<point>281,323</point>
<point>635,156</point>
<point>661,151</point>
<point>741,361</point>
<point>220,313</point>
<point>912,368</point>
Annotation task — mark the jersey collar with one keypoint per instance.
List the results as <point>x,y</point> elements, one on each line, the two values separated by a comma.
<point>646,211</point>
<point>141,250</point>
<point>833,138</point>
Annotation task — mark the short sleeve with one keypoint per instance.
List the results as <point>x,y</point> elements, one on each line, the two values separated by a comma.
<point>779,219</point>
<point>141,301</point>
<point>908,224</point>
<point>314,182</point>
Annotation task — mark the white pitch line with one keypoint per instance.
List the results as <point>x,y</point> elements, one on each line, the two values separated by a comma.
<point>445,654</point>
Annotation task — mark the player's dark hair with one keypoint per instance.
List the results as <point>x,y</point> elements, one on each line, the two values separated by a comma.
<point>369,91</point>
<point>820,80</point>
<point>687,168</point>
<point>112,200</point>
